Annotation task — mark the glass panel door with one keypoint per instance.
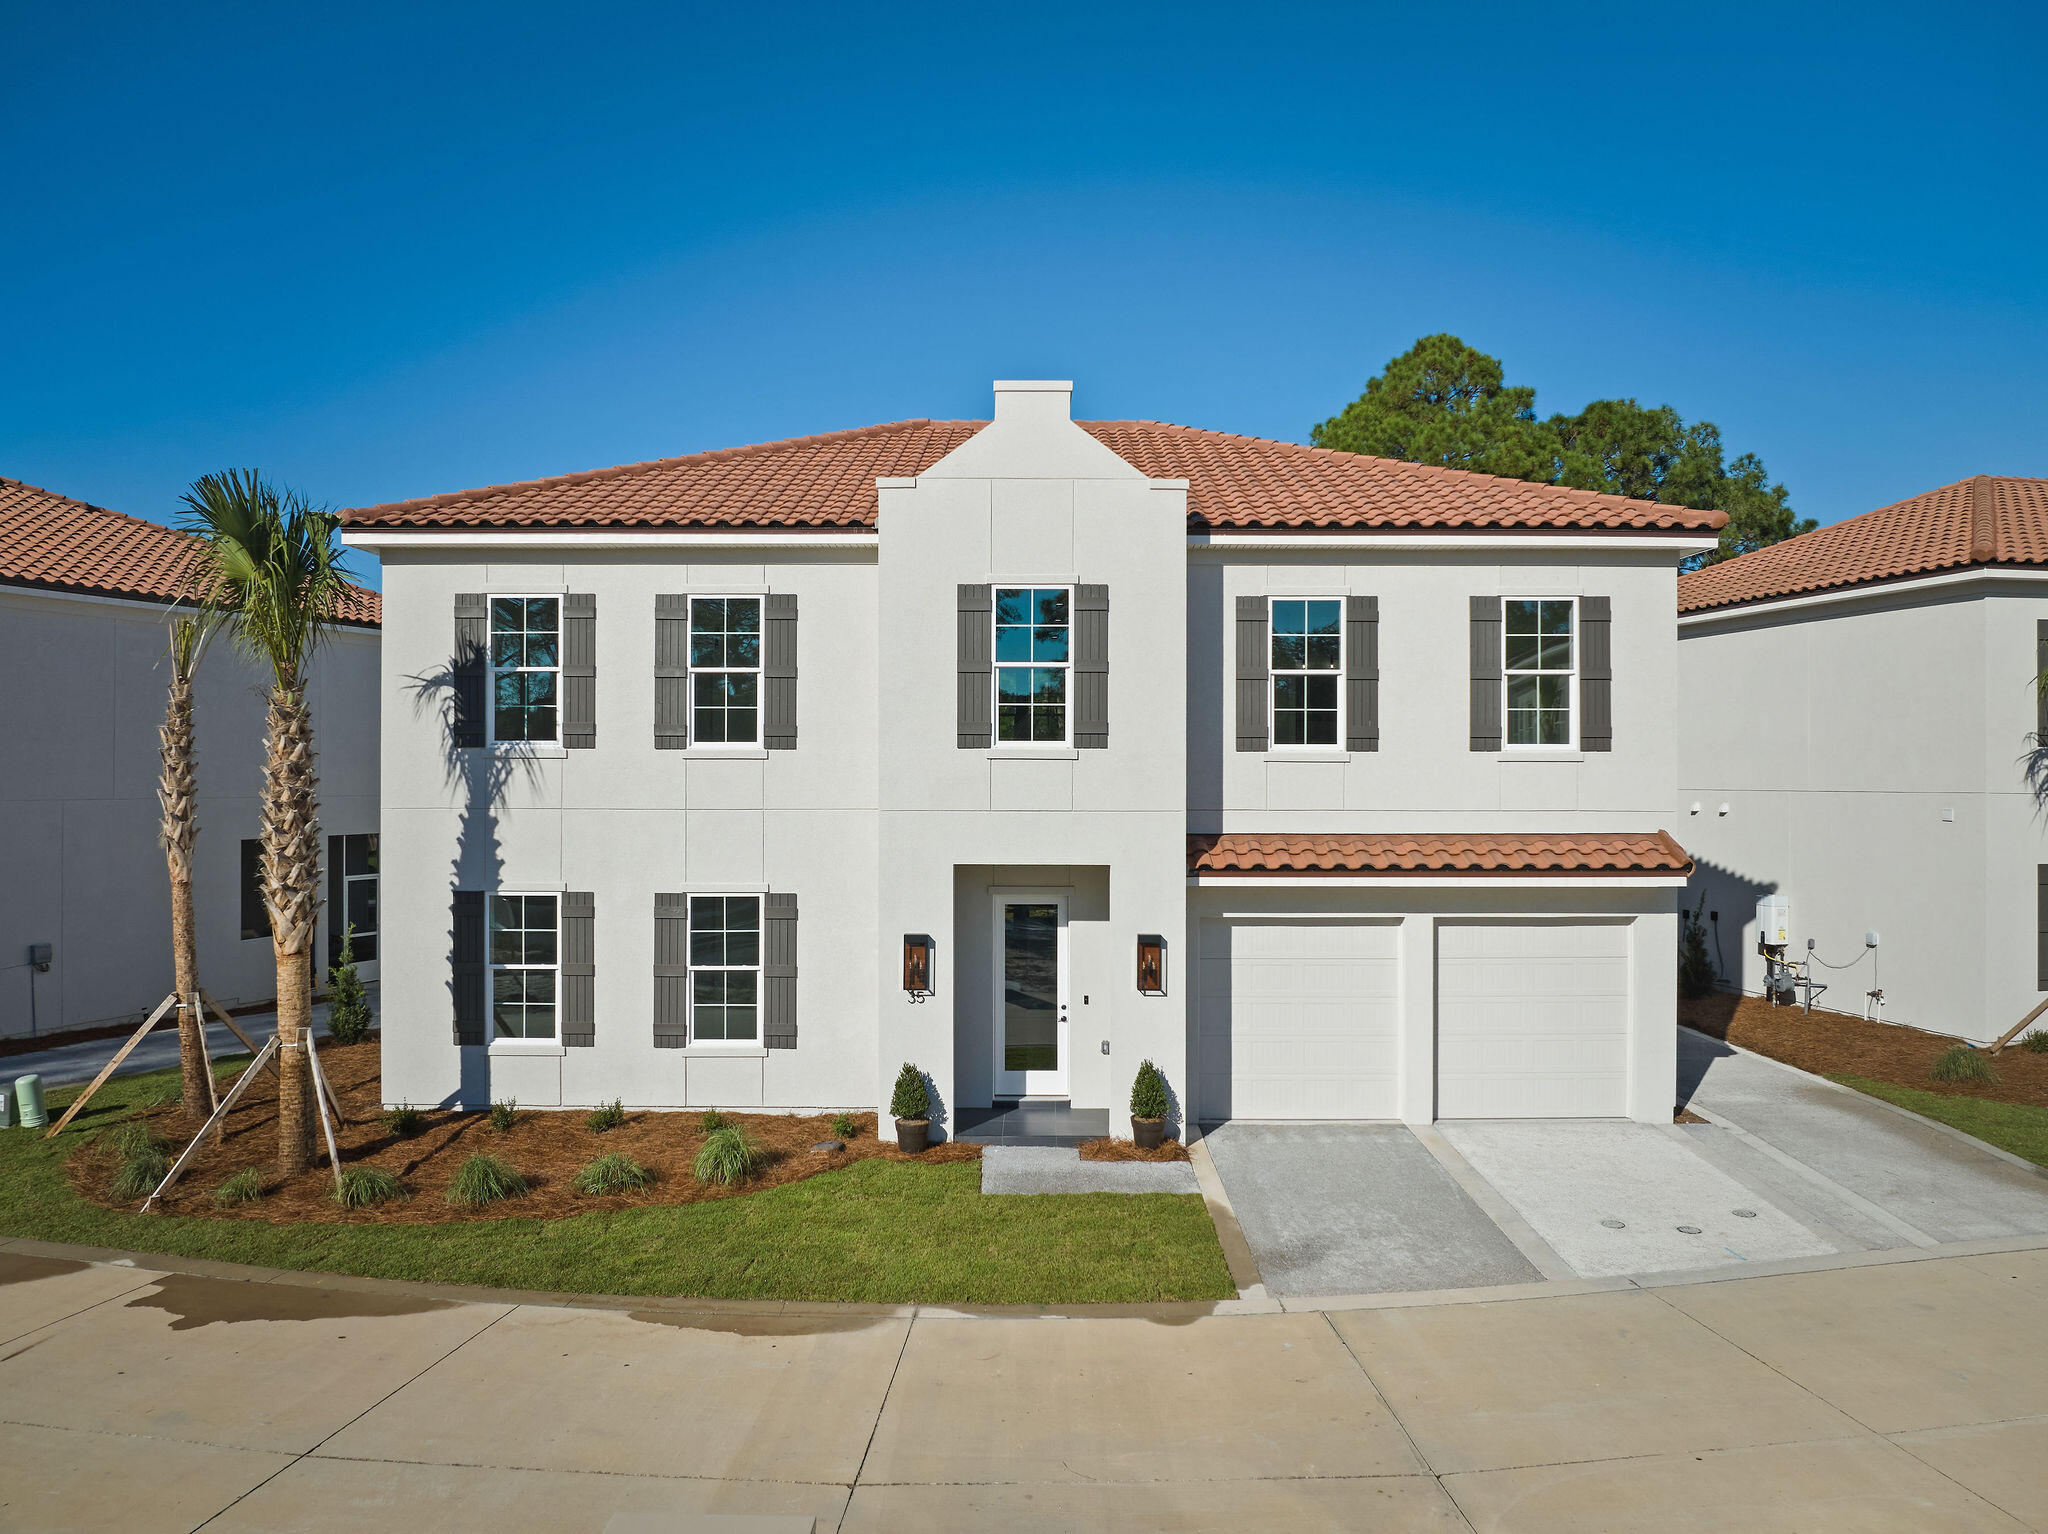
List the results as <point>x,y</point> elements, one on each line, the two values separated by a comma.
<point>1031,1001</point>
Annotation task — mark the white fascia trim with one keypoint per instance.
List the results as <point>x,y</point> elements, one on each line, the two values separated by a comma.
<point>597,538</point>
<point>1870,591</point>
<point>1523,882</point>
<point>1578,543</point>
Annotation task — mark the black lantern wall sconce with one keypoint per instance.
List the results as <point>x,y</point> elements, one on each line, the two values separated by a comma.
<point>1151,964</point>
<point>917,965</point>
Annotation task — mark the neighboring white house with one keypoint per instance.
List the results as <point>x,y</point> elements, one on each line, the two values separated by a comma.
<point>1025,751</point>
<point>83,599</point>
<point>1858,717</point>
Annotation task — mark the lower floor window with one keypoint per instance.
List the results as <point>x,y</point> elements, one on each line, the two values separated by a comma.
<point>524,958</point>
<point>725,968</point>
<point>357,878</point>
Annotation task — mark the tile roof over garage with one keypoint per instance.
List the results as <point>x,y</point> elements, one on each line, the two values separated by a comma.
<point>50,542</point>
<point>1988,520</point>
<point>1481,854</point>
<point>1235,482</point>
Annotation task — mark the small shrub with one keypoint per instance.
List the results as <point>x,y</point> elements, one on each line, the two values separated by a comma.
<point>245,1187</point>
<point>348,1005</point>
<point>912,1099</point>
<point>1148,1092</point>
<point>613,1173</point>
<point>1695,964</point>
<point>365,1185</point>
<point>144,1162</point>
<point>845,1126</point>
<point>503,1113</point>
<point>484,1179</point>
<point>609,1117</point>
<point>405,1121</point>
<point>728,1156</point>
<point>2036,1043</point>
<point>1959,1062</point>
<point>711,1122</point>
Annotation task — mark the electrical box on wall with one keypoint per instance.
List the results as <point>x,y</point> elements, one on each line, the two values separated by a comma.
<point>1774,921</point>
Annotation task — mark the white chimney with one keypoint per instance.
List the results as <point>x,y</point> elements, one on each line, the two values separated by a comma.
<point>1034,400</point>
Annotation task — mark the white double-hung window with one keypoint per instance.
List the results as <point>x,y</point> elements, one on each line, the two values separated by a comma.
<point>725,671</point>
<point>526,669</point>
<point>1032,660</point>
<point>1539,663</point>
<point>725,969</point>
<point>1308,664</point>
<point>525,953</point>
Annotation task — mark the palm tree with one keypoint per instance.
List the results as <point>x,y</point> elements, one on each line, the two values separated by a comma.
<point>177,793</point>
<point>273,574</point>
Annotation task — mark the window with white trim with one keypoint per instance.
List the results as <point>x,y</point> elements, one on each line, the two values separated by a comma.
<point>725,671</point>
<point>1308,663</point>
<point>1540,668</point>
<point>525,965</point>
<point>725,969</point>
<point>526,668</point>
<point>1032,658</point>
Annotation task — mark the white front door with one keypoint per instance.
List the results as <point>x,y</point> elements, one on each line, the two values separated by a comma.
<point>1031,995</point>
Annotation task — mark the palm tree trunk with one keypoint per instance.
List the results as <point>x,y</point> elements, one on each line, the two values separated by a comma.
<point>177,794</point>
<point>291,888</point>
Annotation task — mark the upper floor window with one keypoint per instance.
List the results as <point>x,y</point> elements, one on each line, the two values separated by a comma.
<point>1308,661</point>
<point>525,956</point>
<point>526,668</point>
<point>725,968</point>
<point>1033,632</point>
<point>725,670</point>
<point>1539,666</point>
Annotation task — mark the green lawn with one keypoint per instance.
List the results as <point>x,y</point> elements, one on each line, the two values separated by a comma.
<point>876,1231</point>
<point>2014,1127</point>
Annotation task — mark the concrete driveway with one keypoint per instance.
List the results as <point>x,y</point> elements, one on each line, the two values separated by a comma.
<point>142,1399</point>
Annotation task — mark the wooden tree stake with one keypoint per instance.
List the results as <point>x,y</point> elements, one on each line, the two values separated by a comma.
<point>121,1054</point>
<point>234,1094</point>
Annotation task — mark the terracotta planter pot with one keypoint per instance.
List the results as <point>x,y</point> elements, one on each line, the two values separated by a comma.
<point>1149,1133</point>
<point>913,1135</point>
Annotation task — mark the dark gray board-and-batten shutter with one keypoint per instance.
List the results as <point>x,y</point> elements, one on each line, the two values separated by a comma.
<point>2041,927</point>
<point>1091,668</point>
<point>579,671</point>
<point>466,670</point>
<point>778,671</point>
<point>1361,673</point>
<point>1253,674</point>
<point>671,971</point>
<point>467,966</point>
<point>1596,674</point>
<point>579,969</point>
<point>671,673</point>
<point>1486,684</point>
<point>976,668</point>
<point>778,971</point>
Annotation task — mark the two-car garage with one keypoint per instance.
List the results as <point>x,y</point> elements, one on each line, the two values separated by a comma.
<point>1303,1017</point>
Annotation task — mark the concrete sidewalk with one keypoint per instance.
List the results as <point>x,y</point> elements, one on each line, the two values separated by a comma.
<point>138,1399</point>
<point>68,1063</point>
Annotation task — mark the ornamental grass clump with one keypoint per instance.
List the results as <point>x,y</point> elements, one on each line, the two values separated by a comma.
<point>145,1161</point>
<point>2036,1043</point>
<point>405,1121</point>
<point>728,1157</point>
<point>609,1117</point>
<point>613,1173</point>
<point>1960,1063</point>
<point>245,1187</point>
<point>503,1113</point>
<point>484,1180</point>
<point>365,1185</point>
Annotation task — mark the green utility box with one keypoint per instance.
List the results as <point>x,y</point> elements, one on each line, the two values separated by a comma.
<point>28,1101</point>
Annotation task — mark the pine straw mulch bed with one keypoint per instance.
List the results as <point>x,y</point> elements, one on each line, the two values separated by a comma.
<point>1837,1044</point>
<point>546,1147</point>
<point>1126,1150</point>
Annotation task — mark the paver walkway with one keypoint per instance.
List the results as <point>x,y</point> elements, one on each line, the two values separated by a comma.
<point>1902,1396</point>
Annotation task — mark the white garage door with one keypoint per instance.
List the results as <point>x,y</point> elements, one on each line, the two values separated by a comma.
<point>1531,1020</point>
<point>1298,1020</point>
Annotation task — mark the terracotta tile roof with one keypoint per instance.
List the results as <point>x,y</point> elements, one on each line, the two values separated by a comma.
<point>1482,854</point>
<point>828,481</point>
<point>52,543</point>
<point>1987,520</point>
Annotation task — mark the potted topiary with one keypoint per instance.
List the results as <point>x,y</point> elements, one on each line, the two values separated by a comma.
<point>911,1105</point>
<point>1148,1107</point>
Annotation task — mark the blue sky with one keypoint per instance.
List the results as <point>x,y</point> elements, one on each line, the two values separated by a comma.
<point>385,251</point>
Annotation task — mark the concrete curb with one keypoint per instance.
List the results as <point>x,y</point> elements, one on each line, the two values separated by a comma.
<point>1237,1252</point>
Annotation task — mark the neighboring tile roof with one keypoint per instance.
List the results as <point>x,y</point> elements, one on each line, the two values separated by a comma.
<point>53,543</point>
<point>828,481</point>
<point>1485,853</point>
<point>1987,520</point>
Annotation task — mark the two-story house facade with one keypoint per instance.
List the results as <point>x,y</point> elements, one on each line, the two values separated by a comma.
<point>1023,751</point>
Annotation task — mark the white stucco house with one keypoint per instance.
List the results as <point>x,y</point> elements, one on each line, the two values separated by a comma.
<point>1025,750</point>
<point>1859,719</point>
<point>84,595</point>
